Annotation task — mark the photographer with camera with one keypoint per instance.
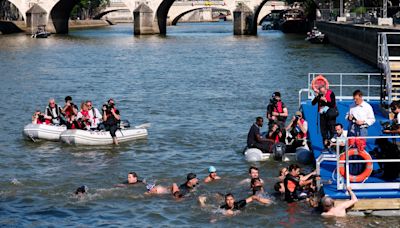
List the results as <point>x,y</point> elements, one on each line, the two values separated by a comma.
<point>38,118</point>
<point>111,119</point>
<point>69,107</point>
<point>325,98</point>
<point>360,116</point>
<point>298,128</point>
<point>276,110</point>
<point>394,126</point>
<point>275,133</point>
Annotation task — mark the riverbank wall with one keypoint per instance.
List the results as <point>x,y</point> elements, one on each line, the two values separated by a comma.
<point>359,40</point>
<point>8,27</point>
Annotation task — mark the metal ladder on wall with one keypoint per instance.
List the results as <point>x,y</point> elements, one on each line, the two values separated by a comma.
<point>390,65</point>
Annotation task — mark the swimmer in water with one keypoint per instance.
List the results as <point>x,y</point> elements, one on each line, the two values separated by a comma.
<point>282,173</point>
<point>153,189</point>
<point>185,188</point>
<point>82,190</point>
<point>231,205</point>
<point>258,190</point>
<point>330,209</point>
<point>212,176</point>
<point>253,173</point>
<point>131,180</point>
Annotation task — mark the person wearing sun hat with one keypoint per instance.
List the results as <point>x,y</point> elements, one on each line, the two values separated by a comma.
<point>212,176</point>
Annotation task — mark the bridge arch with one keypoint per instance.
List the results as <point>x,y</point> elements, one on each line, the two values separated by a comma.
<point>176,19</point>
<point>100,15</point>
<point>60,13</point>
<point>21,6</point>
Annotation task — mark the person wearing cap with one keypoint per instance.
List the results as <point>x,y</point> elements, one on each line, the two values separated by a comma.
<point>212,176</point>
<point>326,100</point>
<point>185,188</point>
<point>153,189</point>
<point>298,128</point>
<point>277,111</point>
<point>82,190</point>
<point>69,107</point>
<point>330,209</point>
<point>111,119</point>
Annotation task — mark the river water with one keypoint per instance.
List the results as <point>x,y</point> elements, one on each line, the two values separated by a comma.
<point>200,87</point>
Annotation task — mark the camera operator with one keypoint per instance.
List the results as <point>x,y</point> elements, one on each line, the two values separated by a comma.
<point>276,110</point>
<point>111,119</point>
<point>394,127</point>
<point>38,117</point>
<point>69,107</point>
<point>298,128</point>
<point>275,133</point>
<point>360,116</point>
<point>325,98</point>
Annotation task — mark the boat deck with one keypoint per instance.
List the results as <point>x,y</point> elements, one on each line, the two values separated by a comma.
<point>328,168</point>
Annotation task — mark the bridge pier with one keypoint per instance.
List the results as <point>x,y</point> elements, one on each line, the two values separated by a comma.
<point>243,18</point>
<point>143,20</point>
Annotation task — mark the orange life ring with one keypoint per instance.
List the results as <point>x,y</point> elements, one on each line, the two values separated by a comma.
<point>319,81</point>
<point>368,169</point>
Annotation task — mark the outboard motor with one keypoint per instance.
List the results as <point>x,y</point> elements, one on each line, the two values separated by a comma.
<point>278,150</point>
<point>124,124</point>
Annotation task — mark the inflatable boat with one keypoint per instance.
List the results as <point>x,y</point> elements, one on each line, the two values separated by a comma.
<point>255,155</point>
<point>43,131</point>
<point>83,137</point>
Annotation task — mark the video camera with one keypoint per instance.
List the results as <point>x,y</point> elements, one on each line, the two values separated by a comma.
<point>108,107</point>
<point>389,126</point>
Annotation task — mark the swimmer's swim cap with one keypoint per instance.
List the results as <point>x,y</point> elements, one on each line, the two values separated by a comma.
<point>150,186</point>
<point>212,169</point>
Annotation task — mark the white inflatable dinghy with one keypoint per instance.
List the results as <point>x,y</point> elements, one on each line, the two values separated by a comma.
<point>255,155</point>
<point>43,131</point>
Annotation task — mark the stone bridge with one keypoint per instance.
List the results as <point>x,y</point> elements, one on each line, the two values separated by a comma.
<point>152,16</point>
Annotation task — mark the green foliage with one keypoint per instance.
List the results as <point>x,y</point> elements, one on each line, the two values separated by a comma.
<point>88,8</point>
<point>359,10</point>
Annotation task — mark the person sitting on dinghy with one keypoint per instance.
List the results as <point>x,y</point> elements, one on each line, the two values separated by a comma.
<point>69,107</point>
<point>83,116</point>
<point>111,119</point>
<point>53,112</point>
<point>95,117</point>
<point>73,123</point>
<point>255,140</point>
<point>38,117</point>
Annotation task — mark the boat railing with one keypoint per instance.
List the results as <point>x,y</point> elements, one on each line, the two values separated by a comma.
<point>343,181</point>
<point>344,84</point>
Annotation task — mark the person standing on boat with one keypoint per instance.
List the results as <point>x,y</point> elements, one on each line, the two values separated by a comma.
<point>111,119</point>
<point>53,113</point>
<point>277,111</point>
<point>325,98</point>
<point>254,138</point>
<point>298,128</point>
<point>95,117</point>
<point>360,116</point>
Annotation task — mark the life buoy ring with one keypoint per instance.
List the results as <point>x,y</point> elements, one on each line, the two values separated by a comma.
<point>319,81</point>
<point>368,169</point>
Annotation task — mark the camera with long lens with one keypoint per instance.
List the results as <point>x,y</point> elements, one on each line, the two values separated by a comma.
<point>108,107</point>
<point>273,101</point>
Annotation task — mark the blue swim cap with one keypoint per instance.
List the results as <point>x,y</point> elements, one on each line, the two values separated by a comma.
<point>212,169</point>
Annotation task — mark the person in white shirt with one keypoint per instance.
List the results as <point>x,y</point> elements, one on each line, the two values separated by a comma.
<point>339,138</point>
<point>95,118</point>
<point>361,116</point>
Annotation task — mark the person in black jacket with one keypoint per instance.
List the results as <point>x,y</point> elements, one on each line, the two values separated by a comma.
<point>111,119</point>
<point>325,98</point>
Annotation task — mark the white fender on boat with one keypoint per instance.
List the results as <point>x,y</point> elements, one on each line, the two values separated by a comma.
<point>254,154</point>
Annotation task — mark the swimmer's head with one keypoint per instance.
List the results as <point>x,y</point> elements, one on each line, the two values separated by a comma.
<point>81,190</point>
<point>283,171</point>
<point>132,178</point>
<point>294,170</point>
<point>192,179</point>
<point>253,172</point>
<point>256,182</point>
<point>230,200</point>
<point>213,172</point>
<point>327,203</point>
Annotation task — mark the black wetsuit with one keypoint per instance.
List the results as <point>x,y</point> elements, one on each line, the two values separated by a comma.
<point>137,182</point>
<point>185,190</point>
<point>236,205</point>
<point>291,196</point>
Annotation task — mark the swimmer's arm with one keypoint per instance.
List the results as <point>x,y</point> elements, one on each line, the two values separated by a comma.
<point>350,202</point>
<point>249,199</point>
<point>303,178</point>
<point>262,200</point>
<point>207,179</point>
